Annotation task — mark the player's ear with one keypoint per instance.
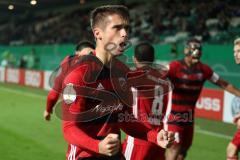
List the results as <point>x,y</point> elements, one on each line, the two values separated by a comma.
<point>97,33</point>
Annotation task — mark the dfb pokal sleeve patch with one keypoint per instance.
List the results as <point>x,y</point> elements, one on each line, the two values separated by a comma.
<point>69,94</point>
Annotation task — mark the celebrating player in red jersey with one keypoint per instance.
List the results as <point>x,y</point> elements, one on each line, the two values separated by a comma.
<point>95,94</point>
<point>188,77</point>
<point>150,103</point>
<point>234,146</point>
<point>83,48</point>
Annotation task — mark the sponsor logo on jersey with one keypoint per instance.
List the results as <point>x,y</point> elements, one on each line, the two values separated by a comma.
<point>100,86</point>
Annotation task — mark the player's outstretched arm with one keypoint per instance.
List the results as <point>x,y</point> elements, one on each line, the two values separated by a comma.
<point>213,77</point>
<point>228,87</point>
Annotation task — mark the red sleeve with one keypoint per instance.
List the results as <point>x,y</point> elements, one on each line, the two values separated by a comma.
<point>136,129</point>
<point>66,59</point>
<point>171,70</point>
<point>61,73</point>
<point>73,133</point>
<point>51,100</point>
<point>208,72</point>
<point>53,94</point>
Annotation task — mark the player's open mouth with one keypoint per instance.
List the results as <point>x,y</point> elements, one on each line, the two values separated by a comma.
<point>122,46</point>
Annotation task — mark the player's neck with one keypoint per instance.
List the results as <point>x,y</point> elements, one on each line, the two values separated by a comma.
<point>103,55</point>
<point>188,62</point>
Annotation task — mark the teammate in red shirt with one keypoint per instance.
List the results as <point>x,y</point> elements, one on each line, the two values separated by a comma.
<point>234,146</point>
<point>95,94</point>
<point>150,103</point>
<point>83,48</point>
<point>188,77</point>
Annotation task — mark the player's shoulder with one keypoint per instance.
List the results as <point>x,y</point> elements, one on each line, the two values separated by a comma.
<point>135,73</point>
<point>160,73</point>
<point>78,61</point>
<point>83,66</point>
<point>147,72</point>
<point>175,64</point>
<point>204,65</point>
<point>75,76</point>
<point>67,59</point>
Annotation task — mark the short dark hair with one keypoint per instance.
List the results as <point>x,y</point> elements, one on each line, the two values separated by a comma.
<point>84,44</point>
<point>193,40</point>
<point>144,52</point>
<point>99,14</point>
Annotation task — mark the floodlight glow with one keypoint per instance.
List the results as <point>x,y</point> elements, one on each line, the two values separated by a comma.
<point>11,7</point>
<point>33,2</point>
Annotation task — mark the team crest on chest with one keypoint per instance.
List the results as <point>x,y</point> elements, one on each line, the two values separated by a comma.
<point>123,83</point>
<point>69,94</point>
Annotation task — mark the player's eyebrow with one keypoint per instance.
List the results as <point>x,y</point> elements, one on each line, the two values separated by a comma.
<point>120,26</point>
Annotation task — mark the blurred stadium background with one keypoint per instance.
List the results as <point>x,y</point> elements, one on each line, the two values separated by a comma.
<point>35,35</point>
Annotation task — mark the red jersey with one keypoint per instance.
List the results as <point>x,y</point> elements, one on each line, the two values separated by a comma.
<point>86,115</point>
<point>150,90</point>
<point>188,83</point>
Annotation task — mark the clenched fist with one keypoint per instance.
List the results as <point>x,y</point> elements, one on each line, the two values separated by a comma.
<point>165,139</point>
<point>47,115</point>
<point>110,145</point>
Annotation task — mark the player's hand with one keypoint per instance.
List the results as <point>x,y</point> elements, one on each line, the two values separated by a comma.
<point>110,145</point>
<point>47,115</point>
<point>165,139</point>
